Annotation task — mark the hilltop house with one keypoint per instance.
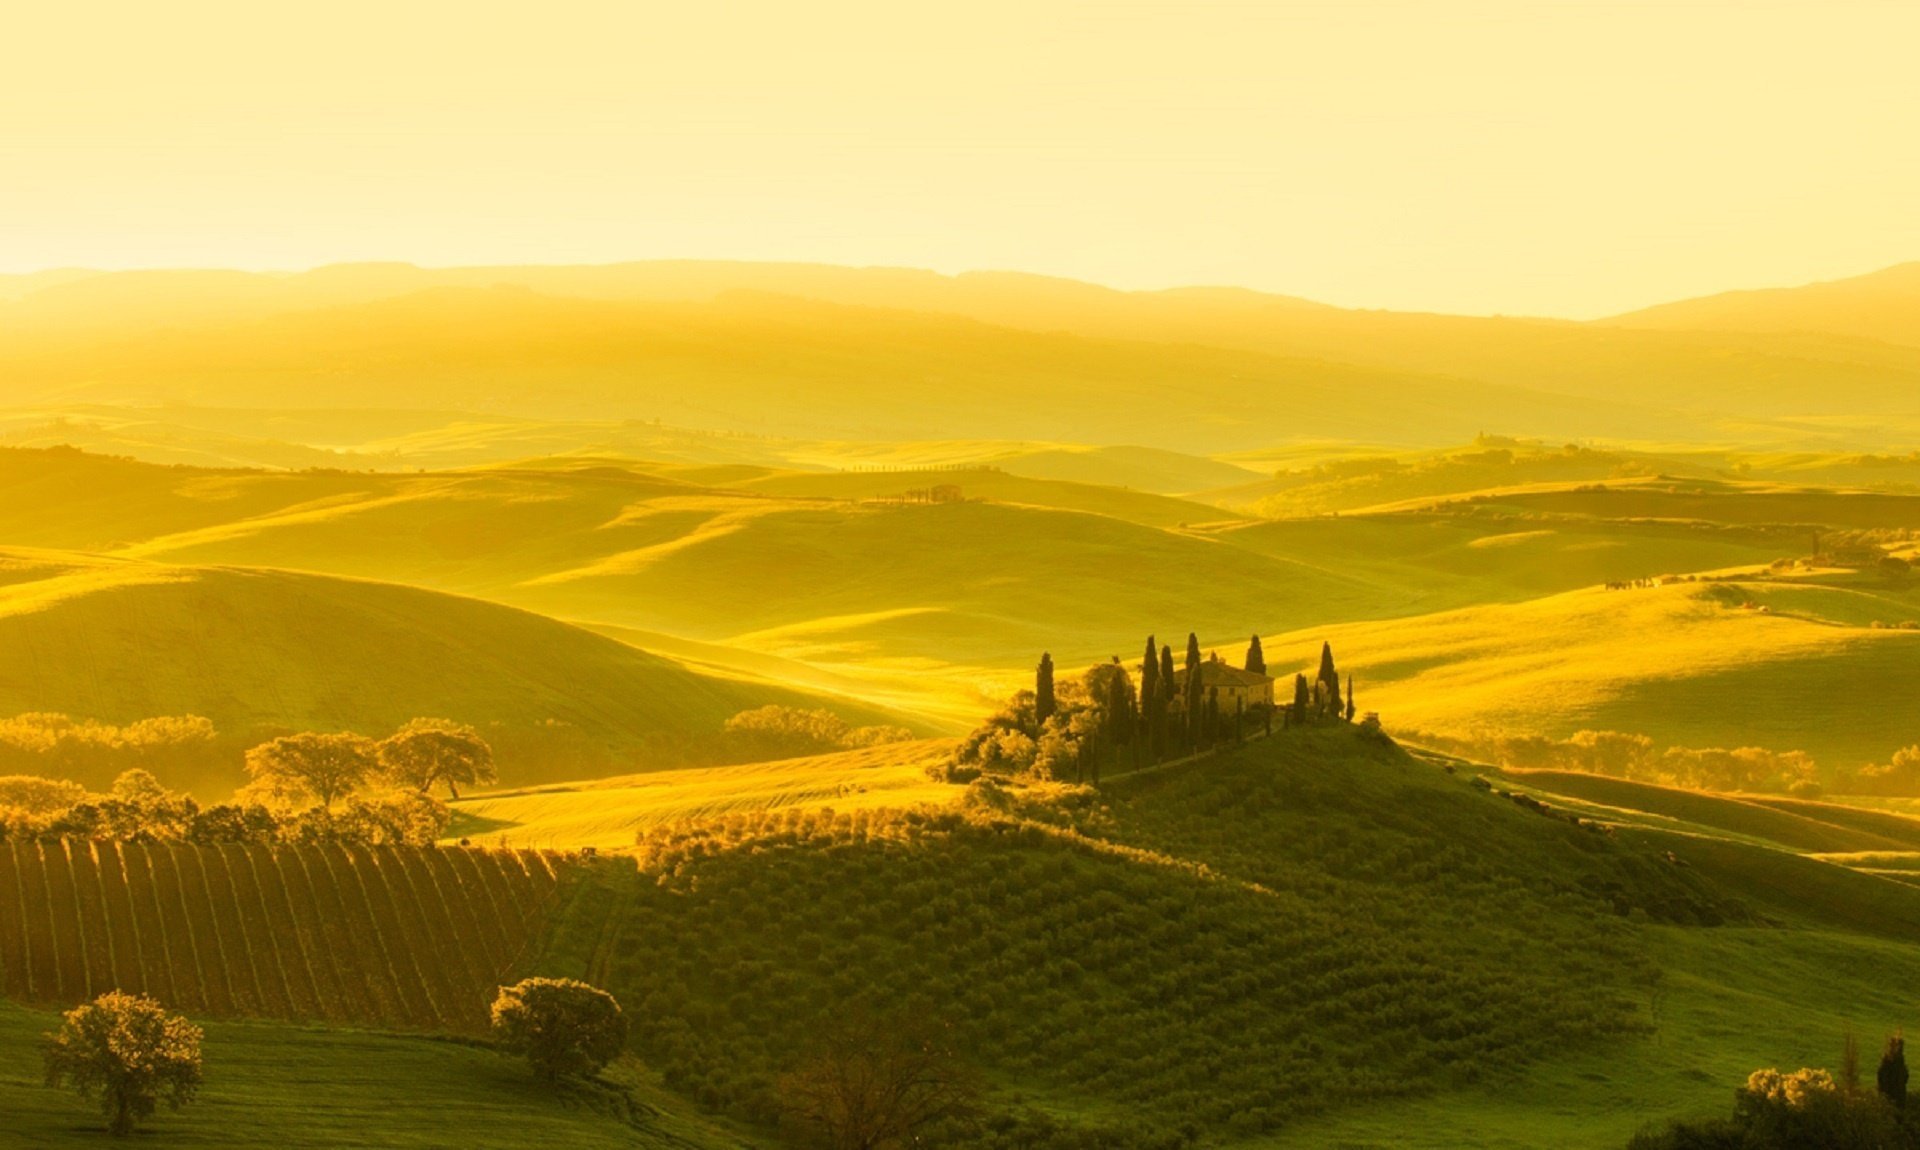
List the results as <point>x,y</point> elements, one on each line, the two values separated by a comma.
<point>1239,690</point>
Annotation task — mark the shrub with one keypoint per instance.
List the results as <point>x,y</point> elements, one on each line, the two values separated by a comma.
<point>561,1026</point>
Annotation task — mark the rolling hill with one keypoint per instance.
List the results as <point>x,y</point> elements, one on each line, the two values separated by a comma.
<point>261,652</point>
<point>1687,665</point>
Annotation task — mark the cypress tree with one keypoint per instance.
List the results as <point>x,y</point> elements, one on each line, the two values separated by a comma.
<point>1167,695</point>
<point>1195,702</point>
<point>1256,658</point>
<point>1300,700</point>
<point>1892,1078</point>
<point>1349,696</point>
<point>1043,704</point>
<point>1150,698</point>
<point>1329,677</point>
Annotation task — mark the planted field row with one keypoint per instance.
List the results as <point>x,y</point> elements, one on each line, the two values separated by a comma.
<point>386,936</point>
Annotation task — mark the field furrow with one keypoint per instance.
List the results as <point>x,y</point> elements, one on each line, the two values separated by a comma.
<point>48,957</point>
<point>199,977</point>
<point>471,891</point>
<point>332,932</point>
<point>73,981</point>
<point>465,976</point>
<point>292,907</point>
<point>16,970</point>
<point>386,998</point>
<point>245,973</point>
<point>89,900</point>
<point>276,982</point>
<point>417,969</point>
<point>134,969</point>
<point>164,959</point>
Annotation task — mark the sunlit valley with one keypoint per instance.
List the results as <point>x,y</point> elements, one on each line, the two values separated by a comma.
<point>672,629</point>
<point>1042,576</point>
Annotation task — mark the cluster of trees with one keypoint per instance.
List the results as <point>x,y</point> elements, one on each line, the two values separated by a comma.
<point>303,788</point>
<point>60,746</point>
<point>1065,729</point>
<point>1808,1108</point>
<point>777,732</point>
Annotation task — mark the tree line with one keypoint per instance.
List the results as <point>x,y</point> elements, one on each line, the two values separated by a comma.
<point>308,787</point>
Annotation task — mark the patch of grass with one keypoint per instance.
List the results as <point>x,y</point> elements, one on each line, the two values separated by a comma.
<point>305,1088</point>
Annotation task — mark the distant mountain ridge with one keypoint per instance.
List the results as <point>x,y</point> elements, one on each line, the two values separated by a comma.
<point>877,353</point>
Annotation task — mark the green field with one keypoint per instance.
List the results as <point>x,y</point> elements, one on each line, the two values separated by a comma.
<point>321,1088</point>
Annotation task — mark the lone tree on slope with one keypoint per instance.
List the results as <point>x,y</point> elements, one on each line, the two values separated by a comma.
<point>1256,658</point>
<point>1043,704</point>
<point>131,1052</point>
<point>1892,1078</point>
<point>563,1027</point>
<point>1349,696</point>
<point>323,768</point>
<point>428,753</point>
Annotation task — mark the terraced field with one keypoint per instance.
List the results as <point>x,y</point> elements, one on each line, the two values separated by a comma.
<point>390,936</point>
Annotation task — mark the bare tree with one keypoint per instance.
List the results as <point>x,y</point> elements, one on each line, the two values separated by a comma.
<point>873,1083</point>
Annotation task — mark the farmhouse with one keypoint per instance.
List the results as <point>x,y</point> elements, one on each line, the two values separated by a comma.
<point>1239,690</point>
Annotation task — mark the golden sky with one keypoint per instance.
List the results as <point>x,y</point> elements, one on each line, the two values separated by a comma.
<point>1549,158</point>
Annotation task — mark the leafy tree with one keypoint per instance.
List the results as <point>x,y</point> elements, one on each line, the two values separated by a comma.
<point>130,1052</point>
<point>320,768</point>
<point>1892,1077</point>
<point>1256,658</point>
<point>561,1026</point>
<point>1043,704</point>
<point>429,753</point>
<point>871,1082</point>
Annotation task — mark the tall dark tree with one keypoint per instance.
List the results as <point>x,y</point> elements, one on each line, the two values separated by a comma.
<point>1150,714</point>
<point>1301,698</point>
<point>1892,1078</point>
<point>1043,704</point>
<point>1349,696</point>
<point>1195,702</point>
<point>1329,677</point>
<point>1256,658</point>
<point>1168,692</point>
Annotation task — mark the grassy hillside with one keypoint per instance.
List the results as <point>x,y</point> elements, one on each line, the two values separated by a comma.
<point>260,652</point>
<point>609,813</point>
<point>307,1088</point>
<point>1235,945</point>
<point>1684,664</point>
<point>375,936</point>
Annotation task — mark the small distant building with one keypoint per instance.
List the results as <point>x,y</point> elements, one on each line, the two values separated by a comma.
<point>1239,689</point>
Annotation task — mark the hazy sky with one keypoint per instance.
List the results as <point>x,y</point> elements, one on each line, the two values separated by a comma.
<point>1571,159</point>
